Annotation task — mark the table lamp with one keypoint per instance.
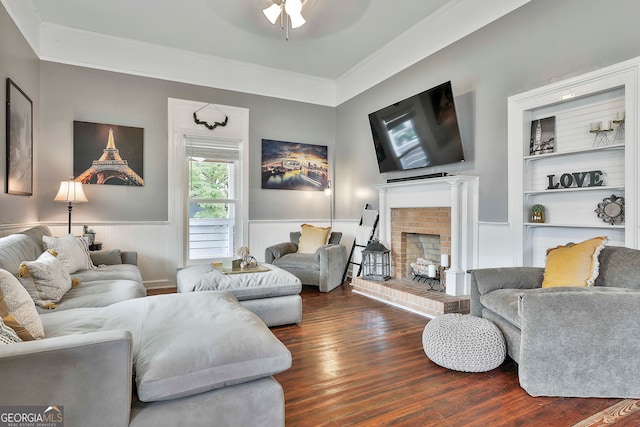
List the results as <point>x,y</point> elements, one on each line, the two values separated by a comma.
<point>70,191</point>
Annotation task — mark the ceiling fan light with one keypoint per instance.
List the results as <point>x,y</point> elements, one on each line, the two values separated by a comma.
<point>293,7</point>
<point>272,13</point>
<point>296,20</point>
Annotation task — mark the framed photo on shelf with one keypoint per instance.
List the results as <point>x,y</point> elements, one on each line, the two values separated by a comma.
<point>543,136</point>
<point>19,127</point>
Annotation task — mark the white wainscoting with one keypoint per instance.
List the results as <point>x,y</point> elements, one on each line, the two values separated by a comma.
<point>495,245</point>
<point>265,233</point>
<point>154,242</point>
<point>157,246</point>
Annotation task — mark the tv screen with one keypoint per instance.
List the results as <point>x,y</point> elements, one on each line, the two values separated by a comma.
<point>418,132</point>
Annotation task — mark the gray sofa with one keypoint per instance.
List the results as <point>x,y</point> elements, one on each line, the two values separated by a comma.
<point>323,269</point>
<point>113,357</point>
<point>574,341</point>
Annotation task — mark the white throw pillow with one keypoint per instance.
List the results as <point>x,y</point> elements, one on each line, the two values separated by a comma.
<point>20,305</point>
<point>50,277</point>
<point>72,251</point>
<point>36,293</point>
<point>7,335</point>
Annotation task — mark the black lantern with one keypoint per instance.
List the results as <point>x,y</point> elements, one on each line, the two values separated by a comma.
<point>375,262</point>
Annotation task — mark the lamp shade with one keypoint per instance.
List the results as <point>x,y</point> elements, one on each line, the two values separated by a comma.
<point>296,20</point>
<point>272,13</point>
<point>70,191</point>
<point>293,7</point>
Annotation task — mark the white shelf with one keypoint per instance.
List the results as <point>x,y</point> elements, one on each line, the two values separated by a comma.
<point>546,224</point>
<point>597,96</point>
<point>570,153</point>
<point>575,189</point>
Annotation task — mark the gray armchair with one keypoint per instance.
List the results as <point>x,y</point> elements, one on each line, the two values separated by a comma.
<point>323,269</point>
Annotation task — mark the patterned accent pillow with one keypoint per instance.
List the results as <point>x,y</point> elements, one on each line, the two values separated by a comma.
<point>72,251</point>
<point>17,309</point>
<point>8,335</point>
<point>10,321</point>
<point>50,278</point>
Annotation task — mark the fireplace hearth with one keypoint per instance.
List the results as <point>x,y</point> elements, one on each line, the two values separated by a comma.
<point>413,296</point>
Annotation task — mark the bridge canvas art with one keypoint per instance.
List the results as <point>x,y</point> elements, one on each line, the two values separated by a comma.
<point>294,166</point>
<point>108,154</point>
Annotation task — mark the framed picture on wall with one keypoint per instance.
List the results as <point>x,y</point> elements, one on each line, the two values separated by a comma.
<point>543,136</point>
<point>294,166</point>
<point>108,154</point>
<point>19,126</point>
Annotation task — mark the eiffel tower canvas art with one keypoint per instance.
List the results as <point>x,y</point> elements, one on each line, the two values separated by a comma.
<point>97,159</point>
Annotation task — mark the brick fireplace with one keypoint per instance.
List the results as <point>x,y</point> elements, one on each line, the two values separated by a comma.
<point>414,232</point>
<point>443,212</point>
<point>447,207</point>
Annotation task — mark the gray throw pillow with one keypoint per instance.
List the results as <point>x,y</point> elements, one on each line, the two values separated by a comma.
<point>107,257</point>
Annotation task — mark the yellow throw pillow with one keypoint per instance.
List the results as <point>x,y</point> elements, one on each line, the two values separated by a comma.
<point>573,265</point>
<point>312,238</point>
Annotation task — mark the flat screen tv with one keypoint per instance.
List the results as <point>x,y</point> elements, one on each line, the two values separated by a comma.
<point>418,132</point>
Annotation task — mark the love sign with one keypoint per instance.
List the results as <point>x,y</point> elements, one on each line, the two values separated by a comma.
<point>580,179</point>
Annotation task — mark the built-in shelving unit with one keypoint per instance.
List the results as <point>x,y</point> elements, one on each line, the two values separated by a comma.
<point>583,169</point>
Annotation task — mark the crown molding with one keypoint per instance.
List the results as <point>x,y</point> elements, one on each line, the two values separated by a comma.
<point>88,49</point>
<point>27,22</point>
<point>452,22</point>
<point>92,50</point>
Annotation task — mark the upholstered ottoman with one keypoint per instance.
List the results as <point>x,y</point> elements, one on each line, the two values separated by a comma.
<point>198,358</point>
<point>462,342</point>
<point>273,295</point>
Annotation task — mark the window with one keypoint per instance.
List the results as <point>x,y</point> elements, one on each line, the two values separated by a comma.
<point>213,198</point>
<point>208,182</point>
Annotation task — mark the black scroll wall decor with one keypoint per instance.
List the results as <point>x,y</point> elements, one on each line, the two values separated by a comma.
<point>204,123</point>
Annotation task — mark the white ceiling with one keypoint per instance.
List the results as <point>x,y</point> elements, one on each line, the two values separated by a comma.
<point>345,47</point>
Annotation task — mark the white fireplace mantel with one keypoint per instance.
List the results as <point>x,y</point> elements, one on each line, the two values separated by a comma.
<point>458,192</point>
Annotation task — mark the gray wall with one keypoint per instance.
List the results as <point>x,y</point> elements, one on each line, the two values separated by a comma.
<point>19,63</point>
<point>542,42</point>
<point>74,93</point>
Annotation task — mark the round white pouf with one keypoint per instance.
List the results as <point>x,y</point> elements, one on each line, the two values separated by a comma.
<point>463,342</point>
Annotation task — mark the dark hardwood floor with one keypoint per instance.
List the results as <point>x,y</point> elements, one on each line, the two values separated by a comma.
<point>360,362</point>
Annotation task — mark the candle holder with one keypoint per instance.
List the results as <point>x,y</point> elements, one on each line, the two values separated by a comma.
<point>443,278</point>
<point>618,136</point>
<point>602,139</point>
